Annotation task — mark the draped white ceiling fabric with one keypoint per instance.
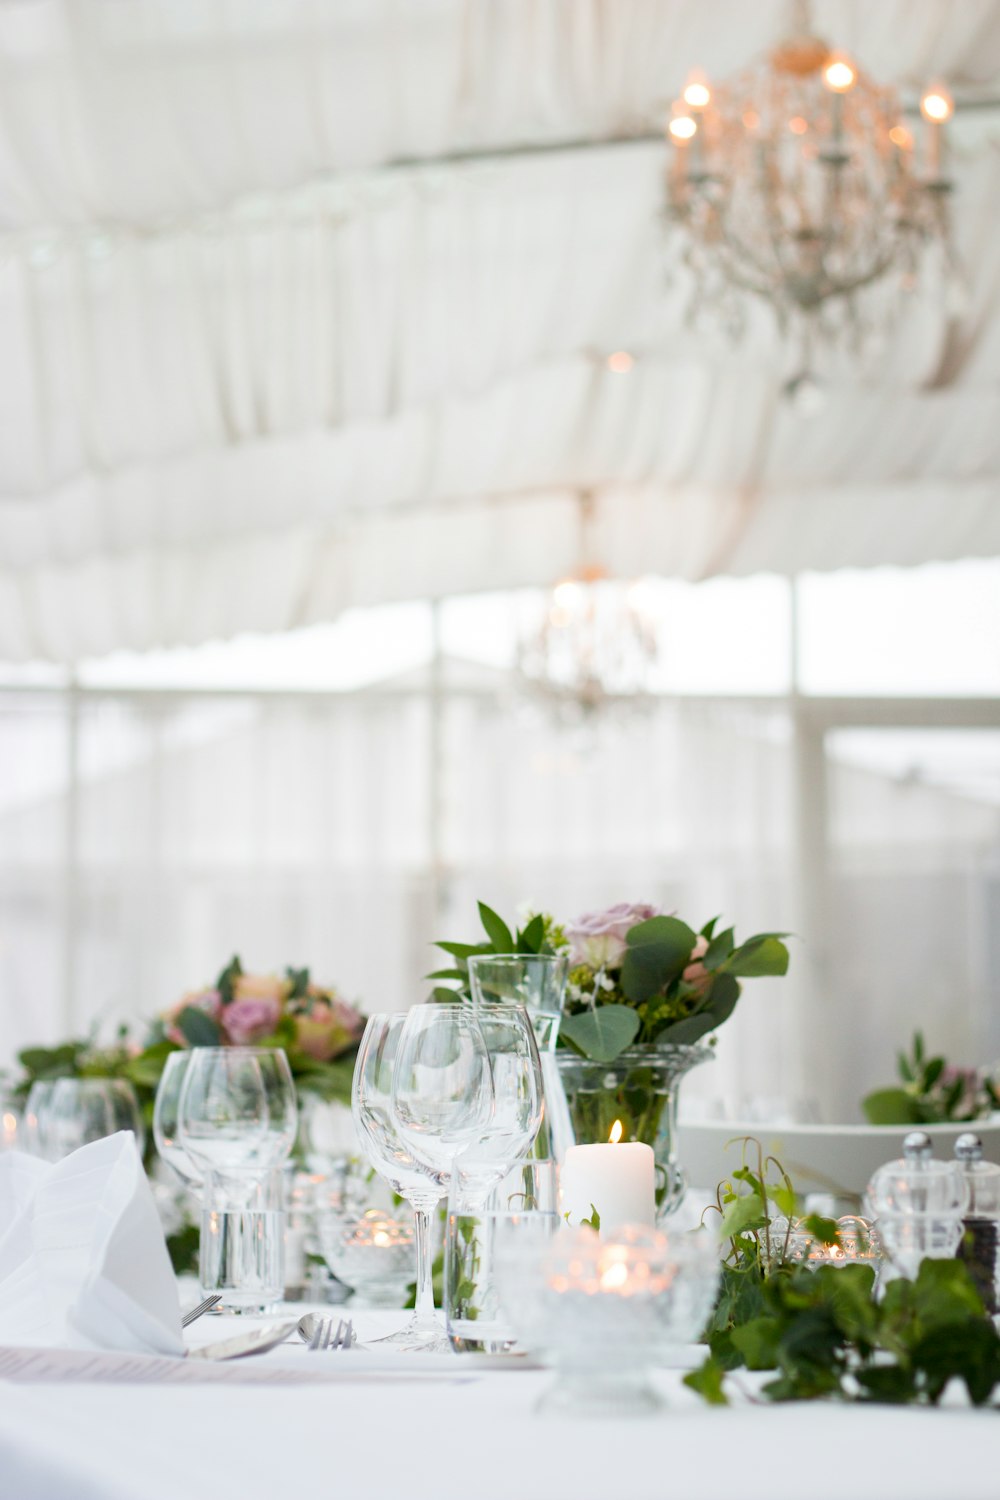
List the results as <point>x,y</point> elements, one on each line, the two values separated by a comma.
<point>272,347</point>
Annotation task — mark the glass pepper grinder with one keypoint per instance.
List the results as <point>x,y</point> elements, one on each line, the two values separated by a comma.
<point>981,1241</point>
<point>919,1204</point>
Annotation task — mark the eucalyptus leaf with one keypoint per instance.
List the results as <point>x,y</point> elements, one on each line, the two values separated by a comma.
<point>658,950</point>
<point>759,956</point>
<point>603,1033</point>
<point>198,1028</point>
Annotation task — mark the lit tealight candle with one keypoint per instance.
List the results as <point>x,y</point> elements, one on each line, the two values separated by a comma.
<point>618,1179</point>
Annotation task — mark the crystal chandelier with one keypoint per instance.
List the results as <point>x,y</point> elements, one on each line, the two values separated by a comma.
<point>596,642</point>
<point>796,183</point>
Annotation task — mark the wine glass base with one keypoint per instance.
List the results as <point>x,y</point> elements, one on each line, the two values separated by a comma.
<point>416,1338</point>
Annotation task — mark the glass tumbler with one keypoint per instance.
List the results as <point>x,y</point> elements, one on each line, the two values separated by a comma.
<point>242,1251</point>
<point>519,1218</point>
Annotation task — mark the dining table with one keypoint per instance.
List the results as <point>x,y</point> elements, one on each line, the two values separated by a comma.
<point>370,1423</point>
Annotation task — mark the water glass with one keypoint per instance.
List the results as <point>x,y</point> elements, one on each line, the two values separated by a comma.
<point>80,1110</point>
<point>242,1241</point>
<point>35,1122</point>
<point>519,1218</point>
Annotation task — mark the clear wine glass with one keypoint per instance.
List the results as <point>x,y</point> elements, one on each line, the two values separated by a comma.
<point>379,1135</point>
<point>165,1119</point>
<point>236,1112</point>
<point>516,1117</point>
<point>80,1110</point>
<point>442,1087</point>
<point>36,1118</point>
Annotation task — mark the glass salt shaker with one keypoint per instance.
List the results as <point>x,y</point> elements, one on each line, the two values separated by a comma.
<point>980,1241</point>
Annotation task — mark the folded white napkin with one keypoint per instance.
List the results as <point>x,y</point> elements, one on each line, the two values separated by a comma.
<point>83,1261</point>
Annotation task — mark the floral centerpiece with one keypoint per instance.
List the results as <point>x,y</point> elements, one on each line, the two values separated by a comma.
<point>318,1029</point>
<point>932,1091</point>
<point>644,994</point>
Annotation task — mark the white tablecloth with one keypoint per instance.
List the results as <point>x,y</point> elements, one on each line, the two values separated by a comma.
<point>477,1438</point>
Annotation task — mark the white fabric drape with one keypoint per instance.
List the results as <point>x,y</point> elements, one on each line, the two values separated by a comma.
<point>308,831</point>
<point>222,412</point>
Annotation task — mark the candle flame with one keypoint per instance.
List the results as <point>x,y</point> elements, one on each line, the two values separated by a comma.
<point>616,1133</point>
<point>614,1277</point>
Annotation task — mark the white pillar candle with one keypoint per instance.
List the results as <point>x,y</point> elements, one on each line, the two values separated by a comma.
<point>618,1180</point>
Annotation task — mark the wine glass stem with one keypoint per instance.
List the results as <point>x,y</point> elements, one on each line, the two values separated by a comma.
<point>424,1303</point>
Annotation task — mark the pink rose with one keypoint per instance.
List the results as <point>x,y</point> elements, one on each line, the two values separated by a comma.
<point>696,973</point>
<point>259,987</point>
<point>328,1028</point>
<point>598,937</point>
<point>247,1020</point>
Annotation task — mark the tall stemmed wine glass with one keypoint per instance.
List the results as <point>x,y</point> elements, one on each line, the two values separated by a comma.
<point>442,1085</point>
<point>423,1189</point>
<point>166,1128</point>
<point>517,1103</point>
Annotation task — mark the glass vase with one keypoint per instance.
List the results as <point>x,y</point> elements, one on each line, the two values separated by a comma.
<point>640,1089</point>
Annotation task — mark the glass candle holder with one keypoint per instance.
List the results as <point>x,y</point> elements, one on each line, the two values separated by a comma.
<point>602,1311</point>
<point>373,1255</point>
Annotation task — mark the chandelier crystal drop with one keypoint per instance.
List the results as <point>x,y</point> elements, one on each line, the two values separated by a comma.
<point>596,642</point>
<point>798,184</point>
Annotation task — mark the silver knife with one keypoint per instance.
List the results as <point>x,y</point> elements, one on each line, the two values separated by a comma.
<point>257,1342</point>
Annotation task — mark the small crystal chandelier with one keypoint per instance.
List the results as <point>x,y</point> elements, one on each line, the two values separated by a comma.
<point>597,641</point>
<point>795,183</point>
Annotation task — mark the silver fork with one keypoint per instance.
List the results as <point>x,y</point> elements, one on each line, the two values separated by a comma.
<point>203,1307</point>
<point>326,1337</point>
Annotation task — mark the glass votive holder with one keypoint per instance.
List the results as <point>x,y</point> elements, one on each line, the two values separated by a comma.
<point>857,1243</point>
<point>602,1311</point>
<point>242,1252</point>
<point>373,1254</point>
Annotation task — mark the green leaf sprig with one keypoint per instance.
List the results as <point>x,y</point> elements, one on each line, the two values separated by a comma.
<point>930,1092</point>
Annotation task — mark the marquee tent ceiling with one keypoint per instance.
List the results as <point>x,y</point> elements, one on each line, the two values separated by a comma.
<point>276,343</point>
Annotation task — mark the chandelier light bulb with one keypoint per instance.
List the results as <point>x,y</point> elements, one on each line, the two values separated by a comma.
<point>697,94</point>
<point>937,105</point>
<point>901,137</point>
<point>682,129</point>
<point>620,362</point>
<point>839,74</point>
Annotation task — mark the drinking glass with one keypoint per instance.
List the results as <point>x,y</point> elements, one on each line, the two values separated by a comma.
<point>241,1253</point>
<point>516,1117</point>
<point>236,1114</point>
<point>442,1088</point>
<point>518,1218</point>
<point>382,1143</point>
<point>80,1110</point>
<point>536,981</point>
<point>165,1119</point>
<point>36,1119</point>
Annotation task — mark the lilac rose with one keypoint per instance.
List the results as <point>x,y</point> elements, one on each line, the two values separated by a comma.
<point>247,1021</point>
<point>598,937</point>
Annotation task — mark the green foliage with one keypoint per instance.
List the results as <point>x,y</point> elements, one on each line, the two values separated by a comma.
<point>824,1333</point>
<point>594,1222</point>
<point>649,982</point>
<point>539,935</point>
<point>601,1034</point>
<point>931,1092</point>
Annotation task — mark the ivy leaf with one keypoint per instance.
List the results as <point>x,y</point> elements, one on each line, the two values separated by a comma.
<point>603,1033</point>
<point>198,1028</point>
<point>758,1341</point>
<point>743,1214</point>
<point>658,950</point>
<point>707,1380</point>
<point>496,929</point>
